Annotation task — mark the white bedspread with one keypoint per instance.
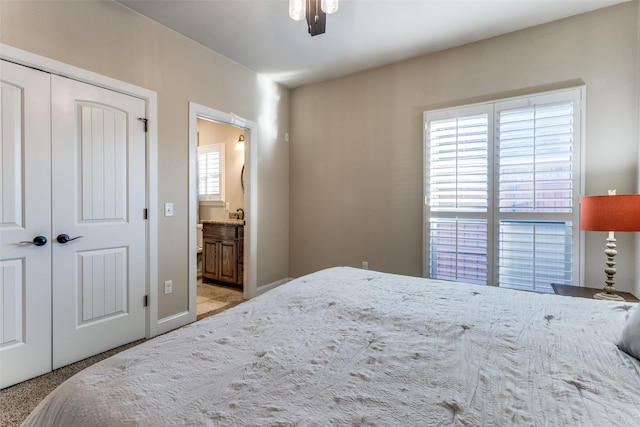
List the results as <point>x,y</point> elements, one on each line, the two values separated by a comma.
<point>353,347</point>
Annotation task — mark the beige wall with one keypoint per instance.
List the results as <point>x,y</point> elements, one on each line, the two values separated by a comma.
<point>356,147</point>
<point>217,133</point>
<point>109,39</point>
<point>637,287</point>
<point>356,142</point>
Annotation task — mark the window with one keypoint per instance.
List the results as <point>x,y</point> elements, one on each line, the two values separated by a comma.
<point>502,185</point>
<point>211,173</point>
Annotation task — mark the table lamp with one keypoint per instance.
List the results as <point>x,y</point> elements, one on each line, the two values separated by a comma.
<point>610,213</point>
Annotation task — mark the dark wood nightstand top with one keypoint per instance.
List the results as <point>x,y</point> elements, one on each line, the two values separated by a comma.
<point>582,292</point>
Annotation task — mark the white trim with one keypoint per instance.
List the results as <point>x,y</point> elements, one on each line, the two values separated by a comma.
<point>264,288</point>
<point>250,200</point>
<point>153,215</point>
<point>251,213</point>
<point>172,322</point>
<point>52,66</point>
<point>582,244</point>
<point>48,65</point>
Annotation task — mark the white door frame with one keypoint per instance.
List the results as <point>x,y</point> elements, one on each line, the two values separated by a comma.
<point>250,198</point>
<point>29,59</point>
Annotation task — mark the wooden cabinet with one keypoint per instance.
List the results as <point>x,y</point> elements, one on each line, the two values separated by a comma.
<point>223,247</point>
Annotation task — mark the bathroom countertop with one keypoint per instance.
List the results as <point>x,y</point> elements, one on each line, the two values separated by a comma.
<point>228,222</point>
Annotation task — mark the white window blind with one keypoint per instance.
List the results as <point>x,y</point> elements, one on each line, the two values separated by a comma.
<point>458,163</point>
<point>502,182</point>
<point>532,255</point>
<point>211,172</point>
<point>536,150</point>
<point>459,250</point>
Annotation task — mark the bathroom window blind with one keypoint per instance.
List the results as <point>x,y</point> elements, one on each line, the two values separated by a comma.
<point>502,183</point>
<point>211,172</point>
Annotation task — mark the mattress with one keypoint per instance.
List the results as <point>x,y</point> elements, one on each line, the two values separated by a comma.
<point>345,346</point>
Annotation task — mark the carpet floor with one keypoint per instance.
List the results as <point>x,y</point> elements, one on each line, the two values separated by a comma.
<point>16,402</point>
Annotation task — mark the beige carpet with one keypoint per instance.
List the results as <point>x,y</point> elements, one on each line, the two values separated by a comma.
<point>16,402</point>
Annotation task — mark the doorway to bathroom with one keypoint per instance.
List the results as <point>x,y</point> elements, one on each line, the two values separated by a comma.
<point>222,190</point>
<point>220,193</point>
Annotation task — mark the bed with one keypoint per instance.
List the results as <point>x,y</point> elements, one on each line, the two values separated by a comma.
<point>345,346</point>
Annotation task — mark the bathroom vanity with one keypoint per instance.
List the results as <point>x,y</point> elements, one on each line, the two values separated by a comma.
<point>223,249</point>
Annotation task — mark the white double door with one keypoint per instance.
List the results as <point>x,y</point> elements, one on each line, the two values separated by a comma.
<point>72,223</point>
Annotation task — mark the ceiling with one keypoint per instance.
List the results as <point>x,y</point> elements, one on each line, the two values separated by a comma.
<point>363,33</point>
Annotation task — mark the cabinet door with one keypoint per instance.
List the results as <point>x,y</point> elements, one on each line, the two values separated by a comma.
<point>229,261</point>
<point>211,268</point>
<point>240,262</point>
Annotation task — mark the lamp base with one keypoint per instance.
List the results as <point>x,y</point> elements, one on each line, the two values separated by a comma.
<point>609,290</point>
<point>608,296</point>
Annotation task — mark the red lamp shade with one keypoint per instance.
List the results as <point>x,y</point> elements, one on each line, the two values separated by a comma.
<point>610,213</point>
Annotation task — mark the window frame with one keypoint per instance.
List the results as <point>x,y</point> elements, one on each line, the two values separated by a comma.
<point>493,215</point>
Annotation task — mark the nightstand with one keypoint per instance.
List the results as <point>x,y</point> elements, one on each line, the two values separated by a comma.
<point>582,292</point>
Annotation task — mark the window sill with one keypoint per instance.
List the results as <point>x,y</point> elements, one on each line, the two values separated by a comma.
<point>215,203</point>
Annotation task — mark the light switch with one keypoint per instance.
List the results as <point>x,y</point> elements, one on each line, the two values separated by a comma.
<point>168,209</point>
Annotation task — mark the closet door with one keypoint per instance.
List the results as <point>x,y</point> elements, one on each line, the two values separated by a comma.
<point>25,224</point>
<point>99,227</point>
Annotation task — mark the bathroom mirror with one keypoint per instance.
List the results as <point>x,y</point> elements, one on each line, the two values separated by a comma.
<point>242,178</point>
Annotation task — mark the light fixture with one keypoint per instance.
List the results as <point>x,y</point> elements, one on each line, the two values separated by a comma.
<point>240,143</point>
<point>297,9</point>
<point>610,213</point>
<point>329,6</point>
<point>315,11</point>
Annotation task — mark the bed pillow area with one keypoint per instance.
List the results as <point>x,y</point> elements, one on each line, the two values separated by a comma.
<point>630,341</point>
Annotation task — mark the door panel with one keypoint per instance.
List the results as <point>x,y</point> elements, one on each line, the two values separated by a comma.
<point>229,261</point>
<point>25,212</point>
<point>99,278</point>
<point>103,275</point>
<point>211,259</point>
<point>103,162</point>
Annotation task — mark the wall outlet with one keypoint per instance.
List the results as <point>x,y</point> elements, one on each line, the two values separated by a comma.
<point>365,265</point>
<point>168,286</point>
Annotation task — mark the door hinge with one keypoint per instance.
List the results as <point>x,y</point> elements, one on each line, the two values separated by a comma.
<point>145,213</point>
<point>146,300</point>
<point>144,120</point>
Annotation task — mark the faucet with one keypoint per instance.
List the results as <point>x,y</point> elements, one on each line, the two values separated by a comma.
<point>241,213</point>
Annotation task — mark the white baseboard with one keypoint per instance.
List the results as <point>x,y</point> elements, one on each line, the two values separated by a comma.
<point>180,319</point>
<point>264,288</point>
<point>172,322</point>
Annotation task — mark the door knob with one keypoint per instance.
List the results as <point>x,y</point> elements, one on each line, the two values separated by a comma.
<point>37,241</point>
<point>64,238</point>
